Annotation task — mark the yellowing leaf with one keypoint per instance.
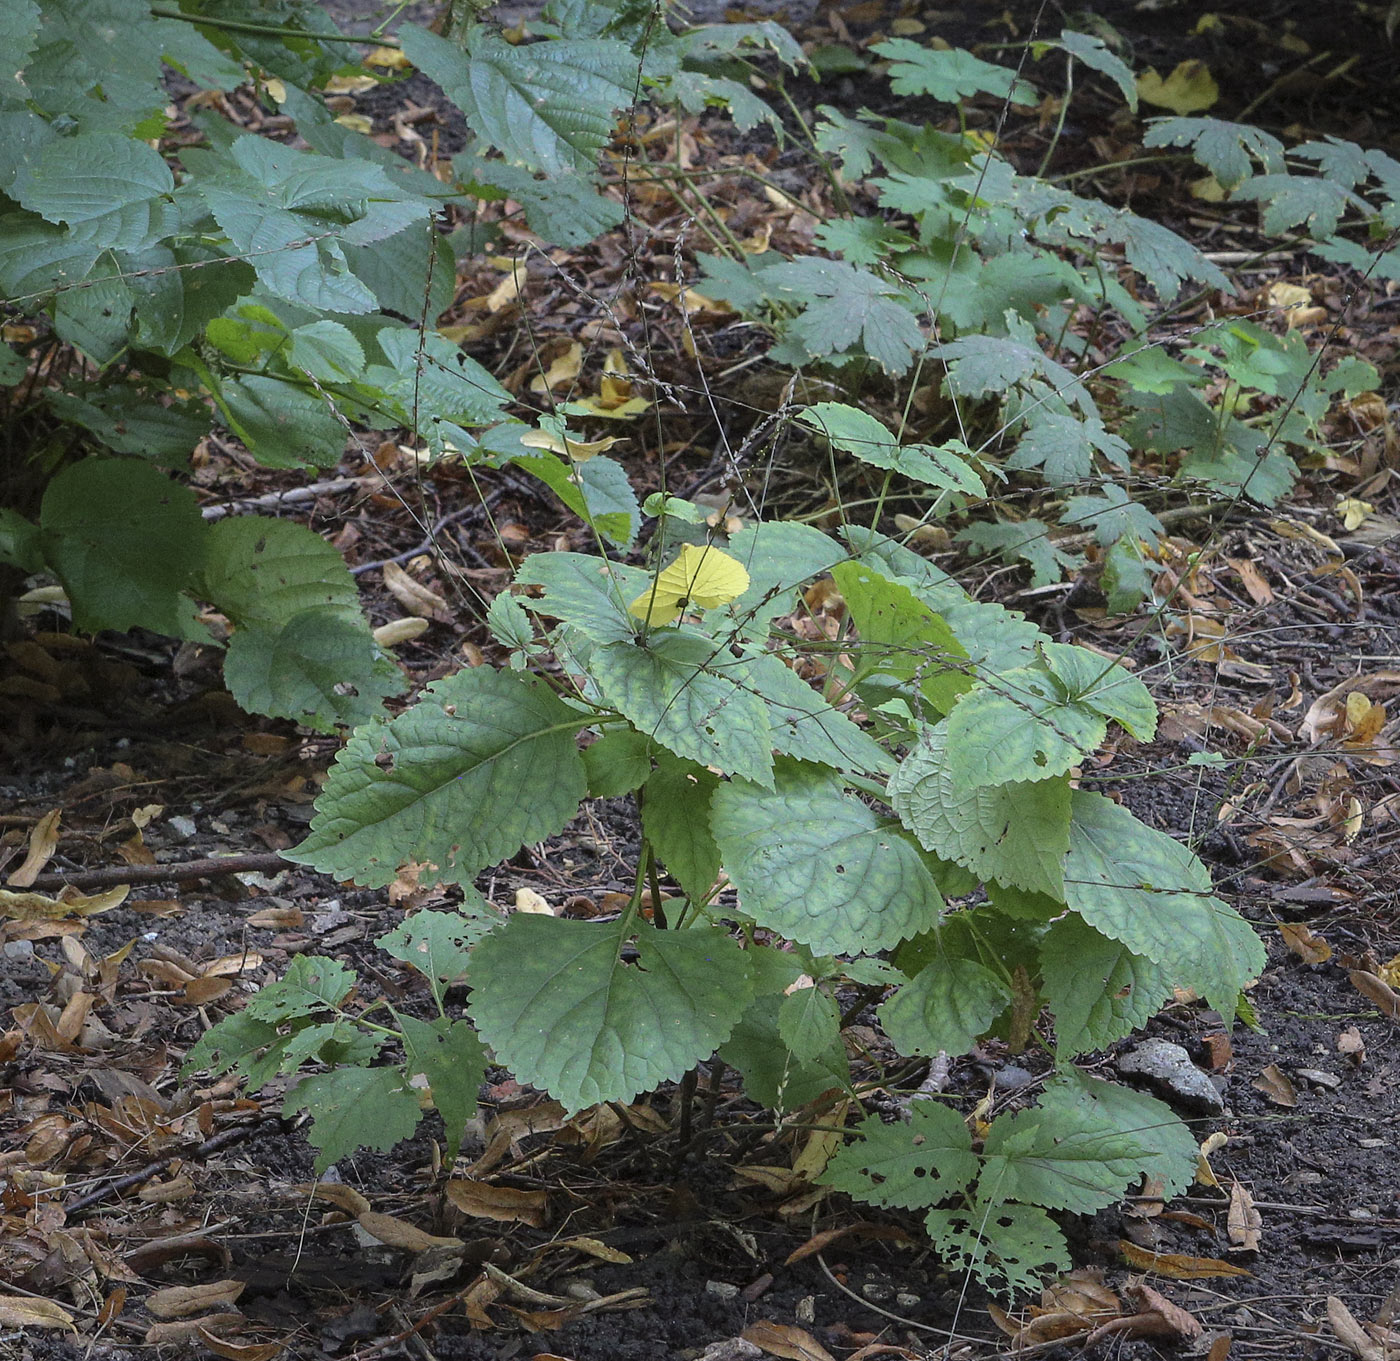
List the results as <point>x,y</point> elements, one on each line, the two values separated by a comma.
<point>1353,511</point>
<point>350,85</point>
<point>388,57</point>
<point>1176,1265</point>
<point>69,903</point>
<point>1306,944</point>
<point>563,369</point>
<point>700,576</point>
<point>1189,89</point>
<point>1208,189</point>
<point>356,122</point>
<point>577,449</point>
<point>22,1311</point>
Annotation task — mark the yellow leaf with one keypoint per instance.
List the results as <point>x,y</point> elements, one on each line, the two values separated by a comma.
<point>1189,89</point>
<point>356,122</point>
<point>20,1311</point>
<point>578,450</point>
<point>69,903</point>
<point>1353,511</point>
<point>388,57</point>
<point>350,85</point>
<point>1208,189</point>
<point>700,576</point>
<point>563,369</point>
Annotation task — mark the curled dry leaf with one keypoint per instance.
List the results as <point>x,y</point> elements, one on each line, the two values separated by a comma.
<point>238,1351</point>
<point>1306,944</point>
<point>398,631</point>
<point>1380,992</point>
<point>1244,1224</point>
<point>1275,1084</point>
<point>1351,1045</point>
<point>43,842</point>
<point>181,1330</point>
<point>399,1233</point>
<point>785,1340</point>
<point>69,903</point>
<point>341,1196</point>
<point>504,1204</point>
<point>1179,1266</point>
<point>19,1311</point>
<point>1351,1334</point>
<point>180,1301</point>
<point>416,598</point>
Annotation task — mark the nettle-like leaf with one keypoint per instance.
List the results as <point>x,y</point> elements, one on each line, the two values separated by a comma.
<point>115,577</point>
<point>815,864</point>
<point>949,75</point>
<point>1290,201</point>
<point>1142,888</point>
<point>1113,515</point>
<point>809,1022</point>
<point>689,694</point>
<point>1022,541</point>
<point>451,1057</point>
<point>1227,150</point>
<point>1104,686</point>
<point>598,492</point>
<point>1097,988</point>
<point>1098,56</point>
<point>548,105</point>
<point>354,1108</point>
<point>842,307</point>
<point>109,190</point>
<point>774,1077</point>
<point>906,1166</point>
<point>1009,1248</point>
<point>1020,727</point>
<point>438,944</point>
<point>946,1007</point>
<point>858,433</point>
<point>599,1011</point>
<point>1017,834</point>
<point>483,763</point>
<point>778,555</point>
<point>562,208</point>
<point>311,984</point>
<point>589,593</point>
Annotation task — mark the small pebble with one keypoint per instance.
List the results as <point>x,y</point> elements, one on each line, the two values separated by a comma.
<point>806,1311</point>
<point>905,1300</point>
<point>18,949</point>
<point>181,827</point>
<point>877,1291</point>
<point>1013,1077</point>
<point>724,1289</point>
<point>1360,1213</point>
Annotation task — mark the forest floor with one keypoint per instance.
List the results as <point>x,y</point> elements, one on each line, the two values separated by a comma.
<point>624,1245</point>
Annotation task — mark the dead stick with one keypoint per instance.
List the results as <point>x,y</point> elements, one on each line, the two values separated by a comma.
<point>209,867</point>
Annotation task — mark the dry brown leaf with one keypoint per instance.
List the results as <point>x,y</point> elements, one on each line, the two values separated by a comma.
<point>43,842</point>
<point>19,1311</point>
<point>1310,948</point>
<point>1275,1084</point>
<point>1380,992</point>
<point>180,1301</point>
<point>1177,1265</point>
<point>505,1204</point>
<point>278,918</point>
<point>1351,1334</point>
<point>785,1340</point>
<point>181,1330</point>
<point>416,598</point>
<point>399,1233</point>
<point>238,1351</point>
<point>1350,1045</point>
<point>199,991</point>
<point>398,631</point>
<point>1254,582</point>
<point>69,903</point>
<point>1244,1224</point>
<point>1156,1316</point>
<point>343,1197</point>
<point>861,1229</point>
<point>1220,1348</point>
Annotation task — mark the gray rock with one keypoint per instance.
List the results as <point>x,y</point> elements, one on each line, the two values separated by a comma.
<point>724,1289</point>
<point>1168,1069</point>
<point>1315,1077</point>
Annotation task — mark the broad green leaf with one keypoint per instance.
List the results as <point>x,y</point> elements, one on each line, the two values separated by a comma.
<point>815,864</point>
<point>804,726</point>
<point>1024,729</point>
<point>691,696</point>
<point>1022,541</point>
<point>843,306</point>
<point>949,75</point>
<point>947,1006</point>
<point>327,351</point>
<point>133,420</point>
<point>109,190</point>
<point>433,380</point>
<point>438,944</point>
<point>1017,834</point>
<point>21,542</point>
<point>548,105</point>
<point>809,1023</point>
<point>598,492</point>
<point>284,426</point>
<point>1097,988</point>
<point>569,1007</point>
<point>192,284</point>
<point>1082,1146</point>
<point>95,317</point>
<point>774,1077</point>
<point>354,1108</point>
<point>1126,580</point>
<point>329,1042</point>
<point>449,1054</point>
<point>778,555</point>
<point>1141,887</point>
<point>902,637</point>
<point>320,668</point>
<point>1113,515</point>
<point>1105,686</point>
<point>311,985</point>
<point>858,433</point>
<point>228,1044</point>
<point>483,763</point>
<point>584,590</point>
<point>564,209</point>
<point>676,821</point>
<point>264,570</point>
<point>905,1165</point>
<point>617,763</point>
<point>412,273</point>
<point>116,577</point>
<point>510,626</point>
<point>1009,1248</point>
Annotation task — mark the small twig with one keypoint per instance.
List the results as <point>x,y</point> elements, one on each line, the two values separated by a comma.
<point>292,495</point>
<point>209,867</point>
<point>214,1144</point>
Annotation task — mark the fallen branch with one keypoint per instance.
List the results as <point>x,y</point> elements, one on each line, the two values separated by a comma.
<point>260,862</point>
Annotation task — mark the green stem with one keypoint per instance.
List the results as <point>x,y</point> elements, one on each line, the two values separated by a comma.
<point>259,30</point>
<point>1059,122</point>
